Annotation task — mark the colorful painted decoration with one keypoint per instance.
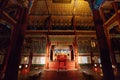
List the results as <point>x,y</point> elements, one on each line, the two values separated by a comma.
<point>95,4</point>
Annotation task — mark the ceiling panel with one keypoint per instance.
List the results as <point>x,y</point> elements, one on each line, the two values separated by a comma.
<point>59,8</point>
<point>39,8</point>
<point>62,13</point>
<point>61,20</point>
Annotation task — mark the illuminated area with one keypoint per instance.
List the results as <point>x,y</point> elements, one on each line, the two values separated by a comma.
<point>35,60</point>
<point>26,66</point>
<point>38,60</point>
<point>84,60</point>
<point>24,60</point>
<point>20,66</point>
<point>57,52</point>
<point>59,39</point>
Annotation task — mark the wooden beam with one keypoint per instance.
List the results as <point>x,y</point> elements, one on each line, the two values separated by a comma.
<point>7,17</point>
<point>55,32</point>
<point>47,7</point>
<point>104,47</point>
<point>114,19</point>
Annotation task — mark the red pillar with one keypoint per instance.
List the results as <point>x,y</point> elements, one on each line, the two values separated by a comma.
<point>111,52</point>
<point>18,12</point>
<point>118,18</point>
<point>92,61</point>
<point>75,42</point>
<point>107,34</point>
<point>4,4</point>
<point>76,54</point>
<point>49,19</point>
<point>30,57</point>
<point>47,55</point>
<point>102,14</point>
<point>104,49</point>
<point>15,47</point>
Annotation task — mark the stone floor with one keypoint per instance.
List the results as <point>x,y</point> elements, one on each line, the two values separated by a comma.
<point>82,74</point>
<point>56,75</point>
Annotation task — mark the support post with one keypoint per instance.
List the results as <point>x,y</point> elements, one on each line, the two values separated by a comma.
<point>92,61</point>
<point>110,46</point>
<point>30,56</point>
<point>76,54</point>
<point>48,21</point>
<point>47,54</point>
<point>75,42</point>
<point>104,48</point>
<point>15,47</point>
<point>102,14</point>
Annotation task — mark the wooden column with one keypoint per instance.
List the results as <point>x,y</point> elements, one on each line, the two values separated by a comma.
<point>113,60</point>
<point>18,12</point>
<point>104,47</point>
<point>30,60</point>
<point>76,54</point>
<point>15,47</point>
<point>115,6</point>
<point>48,22</point>
<point>116,18</point>
<point>51,52</point>
<point>102,14</point>
<point>46,57</point>
<point>51,55</point>
<point>92,61</point>
<point>75,42</point>
<point>71,53</point>
<point>74,25</point>
<point>6,58</point>
<point>47,54</point>
<point>30,56</point>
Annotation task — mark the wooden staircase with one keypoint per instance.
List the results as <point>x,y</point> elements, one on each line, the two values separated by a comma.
<point>70,65</point>
<point>53,65</point>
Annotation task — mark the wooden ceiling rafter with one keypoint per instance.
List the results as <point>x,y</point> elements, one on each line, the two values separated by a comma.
<point>63,10</point>
<point>47,7</point>
<point>7,17</point>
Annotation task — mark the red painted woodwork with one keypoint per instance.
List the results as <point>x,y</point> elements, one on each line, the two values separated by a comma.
<point>70,65</point>
<point>62,63</point>
<point>54,65</point>
<point>66,65</point>
<point>61,57</point>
